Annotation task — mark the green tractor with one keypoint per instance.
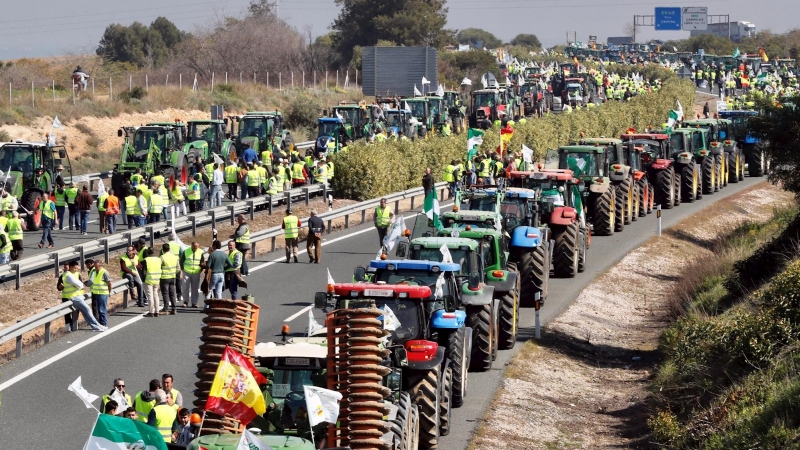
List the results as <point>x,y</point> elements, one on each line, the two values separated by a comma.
<point>591,165</point>
<point>456,110</point>
<point>693,161</point>
<point>155,146</point>
<point>622,177</point>
<point>205,138</point>
<point>263,129</point>
<point>421,112</point>
<point>28,171</point>
<point>728,157</point>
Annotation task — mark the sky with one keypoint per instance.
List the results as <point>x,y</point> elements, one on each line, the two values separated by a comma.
<point>42,28</point>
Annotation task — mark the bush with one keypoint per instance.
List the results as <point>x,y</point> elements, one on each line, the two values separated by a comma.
<point>137,93</point>
<point>303,112</point>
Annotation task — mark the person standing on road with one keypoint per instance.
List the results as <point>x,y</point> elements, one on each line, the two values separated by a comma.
<point>60,195</point>
<point>427,181</point>
<point>217,179</point>
<point>156,205</point>
<point>101,212</point>
<point>215,270</point>
<point>169,388</point>
<point>140,208</point>
<point>291,230</point>
<point>178,198</point>
<point>73,289</point>
<point>15,235</point>
<point>60,287</point>
<point>152,280</point>
<point>162,416</point>
<point>169,273</point>
<point>187,427</point>
<point>191,260</point>
<point>249,155</point>
<point>193,193</point>
<point>232,180</point>
<point>100,284</point>
<point>253,181</point>
<point>111,205</point>
<point>242,238</point>
<point>5,247</point>
<point>128,264</point>
<point>84,205</point>
<point>48,209</point>
<point>316,227</point>
<point>144,401</point>
<point>72,194</point>
<point>382,219</point>
<point>119,386</point>
<point>232,275</point>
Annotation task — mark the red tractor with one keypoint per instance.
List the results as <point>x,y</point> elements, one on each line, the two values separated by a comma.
<point>658,166</point>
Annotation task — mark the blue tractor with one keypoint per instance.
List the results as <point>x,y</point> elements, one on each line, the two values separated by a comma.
<point>330,134</point>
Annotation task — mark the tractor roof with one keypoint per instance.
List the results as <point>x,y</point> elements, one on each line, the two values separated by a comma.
<point>573,85</point>
<point>486,91</point>
<point>600,140</point>
<point>700,122</point>
<point>408,264</point>
<point>544,174</point>
<point>469,214</point>
<point>451,242</point>
<point>381,290</point>
<point>206,121</point>
<point>651,136</point>
<point>329,120</point>
<point>404,111</point>
<point>473,232</point>
<point>29,143</point>
<point>690,129</point>
<point>434,97</point>
<point>581,149</point>
<point>164,124</point>
<point>157,127</point>
<point>520,193</point>
<point>738,113</point>
<point>295,349</point>
<point>262,113</point>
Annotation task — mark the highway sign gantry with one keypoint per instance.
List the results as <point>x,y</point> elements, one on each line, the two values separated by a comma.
<point>694,18</point>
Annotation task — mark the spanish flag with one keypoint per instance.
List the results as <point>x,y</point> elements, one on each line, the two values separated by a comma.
<point>235,389</point>
<point>763,54</point>
<point>505,135</point>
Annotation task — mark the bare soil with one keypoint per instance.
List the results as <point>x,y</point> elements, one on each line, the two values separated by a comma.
<point>584,385</point>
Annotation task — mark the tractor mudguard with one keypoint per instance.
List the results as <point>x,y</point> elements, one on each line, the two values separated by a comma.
<point>598,187</point>
<point>729,146</point>
<point>175,158</point>
<point>637,175</point>
<point>226,148</point>
<point>526,237</point>
<point>432,363</point>
<point>661,164</point>
<point>685,158</point>
<point>506,284</point>
<point>438,321</point>
<point>484,296</point>
<point>563,215</point>
<point>716,148</point>
<point>620,174</point>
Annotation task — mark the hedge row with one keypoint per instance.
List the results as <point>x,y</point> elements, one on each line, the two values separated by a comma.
<point>372,170</point>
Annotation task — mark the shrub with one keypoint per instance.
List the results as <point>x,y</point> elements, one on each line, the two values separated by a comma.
<point>136,93</point>
<point>303,111</point>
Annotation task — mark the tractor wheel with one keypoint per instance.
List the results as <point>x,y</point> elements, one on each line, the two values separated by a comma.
<point>457,345</point>
<point>709,172</point>
<point>678,183</point>
<point>665,192</point>
<point>482,321</point>
<point>621,204</point>
<point>755,164</point>
<point>426,394</point>
<point>644,197</point>
<point>445,402</point>
<point>602,210</point>
<point>689,183</point>
<point>565,254</point>
<point>583,240</point>
<point>30,201</point>
<point>534,272</point>
<point>509,320</point>
<point>635,201</point>
<point>722,170</point>
<point>401,428</point>
<point>413,441</point>
<point>733,168</point>
<point>741,165</point>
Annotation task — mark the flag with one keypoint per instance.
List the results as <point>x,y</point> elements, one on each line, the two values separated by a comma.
<point>425,81</point>
<point>466,82</point>
<point>506,134</point>
<point>322,405</point>
<point>474,138</point>
<point>218,160</point>
<point>431,207</point>
<point>122,401</point>
<point>446,256</point>
<point>395,233</point>
<point>439,292</point>
<point>119,433</point>
<point>440,91</point>
<point>484,82</point>
<point>675,49</point>
<point>347,79</point>
<point>673,117</point>
<point>390,320</point>
<point>313,325</point>
<point>250,441</point>
<point>235,388</point>
<point>680,110</point>
<point>736,53</point>
<point>330,278</point>
<point>405,106</point>
<point>82,393</point>
<point>56,123</point>
<point>417,93</point>
<point>101,189</point>
<point>575,60</point>
<point>527,154</point>
<point>763,54</point>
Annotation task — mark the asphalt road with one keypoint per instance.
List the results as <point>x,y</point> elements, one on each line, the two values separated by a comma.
<point>37,408</point>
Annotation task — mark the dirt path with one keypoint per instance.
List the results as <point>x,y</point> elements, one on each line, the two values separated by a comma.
<point>584,385</point>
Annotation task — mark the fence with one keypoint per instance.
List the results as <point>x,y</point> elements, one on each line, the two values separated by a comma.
<point>45,318</point>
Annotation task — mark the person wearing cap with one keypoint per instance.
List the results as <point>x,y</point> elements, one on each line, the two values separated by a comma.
<point>193,193</point>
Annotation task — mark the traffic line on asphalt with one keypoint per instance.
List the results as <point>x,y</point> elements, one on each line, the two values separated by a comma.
<point>66,353</point>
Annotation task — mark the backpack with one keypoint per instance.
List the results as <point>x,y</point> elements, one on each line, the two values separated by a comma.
<point>60,283</point>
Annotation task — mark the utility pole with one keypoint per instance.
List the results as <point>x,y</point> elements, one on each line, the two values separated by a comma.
<point>278,9</point>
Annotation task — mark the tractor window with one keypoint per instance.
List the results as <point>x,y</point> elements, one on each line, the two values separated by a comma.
<point>482,204</point>
<point>485,99</point>
<point>142,140</point>
<point>488,253</point>
<point>329,129</point>
<point>407,312</point>
<point>581,163</point>
<point>417,109</point>
<point>349,115</point>
<point>433,254</point>
<point>18,158</point>
<point>286,381</point>
<point>514,212</point>
<point>259,127</point>
<point>676,143</point>
<point>408,277</point>
<point>723,131</point>
<point>698,143</point>
<point>201,132</point>
<point>394,119</point>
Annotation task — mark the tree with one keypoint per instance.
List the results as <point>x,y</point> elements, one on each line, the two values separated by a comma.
<point>527,40</point>
<point>404,22</point>
<point>143,46</point>
<point>260,8</point>
<point>478,37</point>
<point>779,130</point>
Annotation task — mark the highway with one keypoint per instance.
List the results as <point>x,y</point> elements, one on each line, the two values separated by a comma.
<point>37,408</point>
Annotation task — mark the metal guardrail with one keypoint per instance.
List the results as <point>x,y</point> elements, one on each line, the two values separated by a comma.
<point>45,318</point>
<point>39,263</point>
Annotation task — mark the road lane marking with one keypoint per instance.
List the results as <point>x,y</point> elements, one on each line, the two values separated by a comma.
<point>298,313</point>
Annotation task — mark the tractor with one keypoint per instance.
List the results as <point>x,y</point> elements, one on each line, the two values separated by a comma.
<point>621,177</point>
<point>695,163</point>
<point>155,146</point>
<point>728,161</point>
<point>263,129</point>
<point>456,111</point>
<point>421,112</point>
<point>418,364</point>
<point>205,138</point>
<point>399,123</point>
<point>490,105</point>
<point>535,100</point>
<point>437,111</point>
<point>657,163</point>
<point>635,157</point>
<point>28,171</point>
<point>739,132</point>
<point>591,164</point>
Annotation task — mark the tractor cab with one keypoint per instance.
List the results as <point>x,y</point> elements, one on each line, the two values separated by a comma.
<point>739,126</point>
<point>440,277</point>
<point>353,117</point>
<point>613,148</point>
<point>330,135</point>
<point>487,106</point>
<point>208,137</point>
<point>398,123</point>
<point>149,146</point>
<point>573,94</point>
<point>265,130</point>
<point>421,112</point>
<point>518,208</point>
<point>550,188</point>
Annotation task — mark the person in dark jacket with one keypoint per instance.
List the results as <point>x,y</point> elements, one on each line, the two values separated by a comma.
<point>83,203</point>
<point>427,181</point>
<point>316,227</point>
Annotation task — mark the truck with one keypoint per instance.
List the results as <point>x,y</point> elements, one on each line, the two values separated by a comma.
<point>735,31</point>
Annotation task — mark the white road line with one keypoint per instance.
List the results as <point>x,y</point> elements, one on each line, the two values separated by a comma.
<point>298,313</point>
<point>66,353</point>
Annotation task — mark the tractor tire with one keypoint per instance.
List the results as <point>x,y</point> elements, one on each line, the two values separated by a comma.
<point>583,241</point>
<point>689,183</point>
<point>458,349</point>
<point>733,168</point>
<point>677,185</point>
<point>709,175</point>
<point>445,402</point>
<point>643,199</point>
<point>635,201</point>
<point>30,201</point>
<point>413,440</point>
<point>620,206</point>
<point>722,175</point>
<point>484,330</point>
<point>566,254</point>
<point>602,208</point>
<point>401,425</point>
<point>426,393</point>
<point>755,164</point>
<point>509,320</point>
<point>665,190</point>
<point>741,165</point>
<point>534,271</point>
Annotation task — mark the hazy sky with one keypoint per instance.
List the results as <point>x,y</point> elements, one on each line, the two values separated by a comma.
<point>52,27</point>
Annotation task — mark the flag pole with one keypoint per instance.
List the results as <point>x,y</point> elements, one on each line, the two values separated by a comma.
<point>93,426</point>
<point>202,420</point>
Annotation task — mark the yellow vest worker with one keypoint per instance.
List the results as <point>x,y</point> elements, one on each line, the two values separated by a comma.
<point>142,407</point>
<point>231,174</point>
<point>14,227</point>
<point>192,260</point>
<point>291,226</point>
<point>156,203</point>
<point>164,418</point>
<point>153,275</point>
<point>169,266</point>
<point>447,176</point>
<point>132,206</point>
<point>383,216</point>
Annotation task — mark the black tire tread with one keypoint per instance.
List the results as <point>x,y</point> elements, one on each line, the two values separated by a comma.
<point>565,253</point>
<point>534,275</point>
<point>479,319</point>
<point>687,184</point>
<point>602,212</point>
<point>424,393</point>
<point>457,347</point>
<point>665,188</point>
<point>708,169</point>
<point>509,320</point>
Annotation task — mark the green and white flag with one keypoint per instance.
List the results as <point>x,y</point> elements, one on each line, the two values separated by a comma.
<point>431,208</point>
<point>474,137</point>
<point>112,433</point>
<point>673,117</point>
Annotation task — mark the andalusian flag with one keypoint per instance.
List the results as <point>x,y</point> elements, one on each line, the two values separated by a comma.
<point>431,208</point>
<point>737,53</point>
<point>474,137</point>
<point>763,54</point>
<point>235,388</point>
<point>113,432</point>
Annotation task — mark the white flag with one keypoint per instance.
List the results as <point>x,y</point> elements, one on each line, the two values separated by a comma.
<point>527,154</point>
<point>446,256</point>
<point>347,79</point>
<point>122,402</point>
<point>466,82</point>
<point>218,160</point>
<point>56,123</point>
<point>250,441</point>
<point>439,292</point>
<point>80,179</point>
<point>425,81</point>
<point>322,405</point>
<point>674,49</point>
<point>313,325</point>
<point>680,111</point>
<point>395,234</point>
<point>82,394</point>
<point>390,320</point>
<point>484,83</point>
<point>405,106</point>
<point>417,93</point>
<point>440,91</point>
<point>330,278</point>
<point>101,189</point>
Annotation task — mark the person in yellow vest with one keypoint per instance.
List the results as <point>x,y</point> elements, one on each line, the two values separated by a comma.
<point>291,231</point>
<point>191,261</point>
<point>117,391</point>
<point>158,178</point>
<point>128,266</point>
<point>241,236</point>
<point>5,247</point>
<point>140,208</point>
<point>101,212</point>
<point>329,164</point>
<point>15,235</point>
<point>253,181</point>
<point>162,416</point>
<point>48,209</point>
<point>73,290</point>
<point>169,388</point>
<point>382,219</point>
<point>287,175</point>
<point>177,194</point>
<point>152,280</point>
<point>299,175</point>
<point>100,284</point>
<point>155,205</point>
<point>137,178</point>
<point>232,275</point>
<point>72,194</point>
<point>262,176</point>
<point>130,209</point>
<point>273,185</point>
<point>144,401</point>
<point>60,198</point>
<point>280,176</point>
<point>231,179</point>
<point>193,193</point>
<point>450,176</point>
<point>169,275</point>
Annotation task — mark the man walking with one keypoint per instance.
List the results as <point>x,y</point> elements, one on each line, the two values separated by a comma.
<point>232,179</point>
<point>427,181</point>
<point>242,238</point>
<point>316,227</point>
<point>48,209</point>
<point>215,270</point>
<point>72,194</point>
<point>73,290</point>
<point>128,264</point>
<point>152,280</point>
<point>291,230</point>
<point>191,260</point>
<point>111,206</point>
<point>100,284</point>
<point>83,203</point>
<point>382,219</point>
<point>169,273</point>
<point>235,258</point>
<point>101,212</point>
<point>217,178</point>
<point>139,208</point>
<point>15,235</point>
<point>193,194</point>
<point>60,196</point>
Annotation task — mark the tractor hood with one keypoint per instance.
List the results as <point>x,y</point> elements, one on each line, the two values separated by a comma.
<point>231,442</point>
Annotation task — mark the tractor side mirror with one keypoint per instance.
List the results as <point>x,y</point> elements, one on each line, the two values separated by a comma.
<point>119,132</point>
<point>402,250</point>
<point>320,300</point>
<point>62,153</point>
<point>401,356</point>
<point>474,280</point>
<point>360,274</point>
<point>450,302</point>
